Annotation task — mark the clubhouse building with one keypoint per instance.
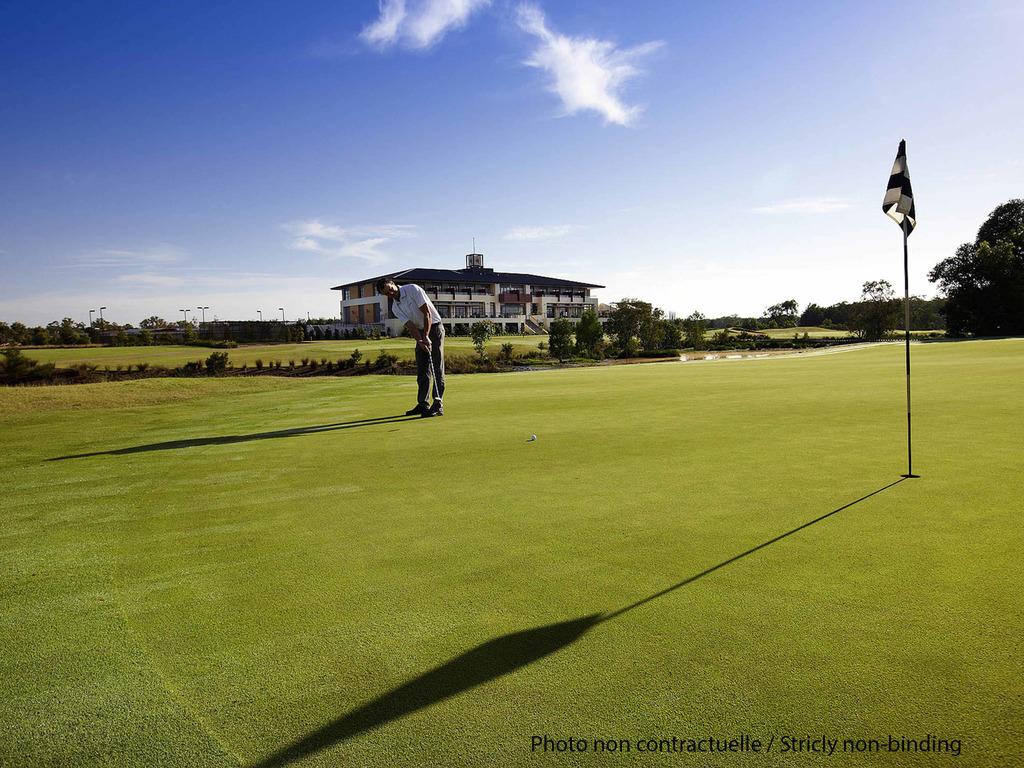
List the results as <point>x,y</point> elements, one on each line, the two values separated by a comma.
<point>513,301</point>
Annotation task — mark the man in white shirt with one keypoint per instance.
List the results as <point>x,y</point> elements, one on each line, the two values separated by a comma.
<point>412,306</point>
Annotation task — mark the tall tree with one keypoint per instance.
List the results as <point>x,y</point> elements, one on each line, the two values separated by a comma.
<point>588,332</point>
<point>984,281</point>
<point>876,315</point>
<point>782,315</point>
<point>635,325</point>
<point>560,338</point>
<point>694,329</point>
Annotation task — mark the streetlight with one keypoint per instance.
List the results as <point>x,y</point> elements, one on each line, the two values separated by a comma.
<point>203,311</point>
<point>282,313</point>
<point>90,317</point>
<point>185,313</point>
<point>260,313</point>
<point>101,315</point>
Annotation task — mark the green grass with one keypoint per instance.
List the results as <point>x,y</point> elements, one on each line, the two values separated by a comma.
<point>210,604</point>
<point>175,355</point>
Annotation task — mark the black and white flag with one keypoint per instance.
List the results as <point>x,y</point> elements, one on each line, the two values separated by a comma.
<point>898,203</point>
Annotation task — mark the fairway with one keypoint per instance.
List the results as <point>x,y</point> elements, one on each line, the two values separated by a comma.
<point>267,571</point>
<point>172,355</point>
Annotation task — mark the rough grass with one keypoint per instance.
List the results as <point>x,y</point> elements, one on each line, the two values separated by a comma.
<point>208,603</point>
<point>176,355</point>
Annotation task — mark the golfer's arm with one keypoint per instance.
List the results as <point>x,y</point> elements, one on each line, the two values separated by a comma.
<point>426,321</point>
<point>413,330</point>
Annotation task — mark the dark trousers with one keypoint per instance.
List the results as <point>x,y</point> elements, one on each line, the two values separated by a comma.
<point>430,367</point>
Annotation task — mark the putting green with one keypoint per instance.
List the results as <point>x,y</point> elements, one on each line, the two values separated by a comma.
<point>219,572</point>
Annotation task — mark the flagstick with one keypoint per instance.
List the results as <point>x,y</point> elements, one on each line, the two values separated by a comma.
<point>906,331</point>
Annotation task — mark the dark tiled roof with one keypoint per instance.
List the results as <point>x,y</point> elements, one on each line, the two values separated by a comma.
<point>420,274</point>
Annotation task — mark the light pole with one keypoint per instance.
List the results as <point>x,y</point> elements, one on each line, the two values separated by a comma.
<point>260,313</point>
<point>101,315</point>
<point>185,313</point>
<point>282,313</point>
<point>203,309</point>
<point>90,317</point>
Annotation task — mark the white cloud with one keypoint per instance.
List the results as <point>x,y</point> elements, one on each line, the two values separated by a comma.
<point>334,242</point>
<point>419,23</point>
<point>586,74</point>
<point>549,232</point>
<point>150,278</point>
<point>161,253</point>
<point>807,205</point>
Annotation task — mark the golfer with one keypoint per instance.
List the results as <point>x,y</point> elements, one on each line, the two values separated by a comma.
<point>412,306</point>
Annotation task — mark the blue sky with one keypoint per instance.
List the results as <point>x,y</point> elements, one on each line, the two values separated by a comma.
<point>711,156</point>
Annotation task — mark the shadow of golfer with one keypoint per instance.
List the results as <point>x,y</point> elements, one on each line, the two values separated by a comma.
<point>229,439</point>
<point>489,661</point>
<point>476,666</point>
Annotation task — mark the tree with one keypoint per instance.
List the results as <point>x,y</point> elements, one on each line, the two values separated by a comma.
<point>20,334</point>
<point>672,334</point>
<point>983,282</point>
<point>481,333</point>
<point>813,315</point>
<point>588,333</point>
<point>782,315</point>
<point>153,322</point>
<point>876,315</point>
<point>560,338</point>
<point>694,328</point>
<point>65,332</point>
<point>634,324</point>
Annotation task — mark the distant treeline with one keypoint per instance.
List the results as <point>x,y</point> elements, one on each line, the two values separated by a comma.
<point>925,315</point>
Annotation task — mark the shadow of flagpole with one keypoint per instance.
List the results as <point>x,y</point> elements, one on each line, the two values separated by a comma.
<point>489,661</point>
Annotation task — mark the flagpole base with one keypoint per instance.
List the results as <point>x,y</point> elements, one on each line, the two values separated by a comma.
<point>909,475</point>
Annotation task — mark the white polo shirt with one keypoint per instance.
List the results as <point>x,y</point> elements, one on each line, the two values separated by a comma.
<point>407,306</point>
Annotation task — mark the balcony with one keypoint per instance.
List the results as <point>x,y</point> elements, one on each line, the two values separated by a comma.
<point>515,298</point>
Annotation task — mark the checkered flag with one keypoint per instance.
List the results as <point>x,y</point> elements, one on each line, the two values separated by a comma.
<point>898,203</point>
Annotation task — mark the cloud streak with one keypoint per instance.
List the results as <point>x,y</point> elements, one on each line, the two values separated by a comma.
<point>161,253</point>
<point>418,24</point>
<point>548,232</point>
<point>811,206</point>
<point>585,73</point>
<point>334,242</point>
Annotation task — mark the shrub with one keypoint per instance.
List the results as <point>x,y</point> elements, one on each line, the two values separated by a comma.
<point>386,361</point>
<point>356,356</point>
<point>507,350</point>
<point>192,367</point>
<point>217,362</point>
<point>142,367</point>
<point>258,362</point>
<point>291,363</point>
<point>15,368</point>
<point>542,346</point>
<point>312,365</point>
<point>305,362</point>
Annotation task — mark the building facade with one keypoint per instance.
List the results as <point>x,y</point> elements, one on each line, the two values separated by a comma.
<point>513,301</point>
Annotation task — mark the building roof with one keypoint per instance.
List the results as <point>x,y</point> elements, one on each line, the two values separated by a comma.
<point>468,275</point>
